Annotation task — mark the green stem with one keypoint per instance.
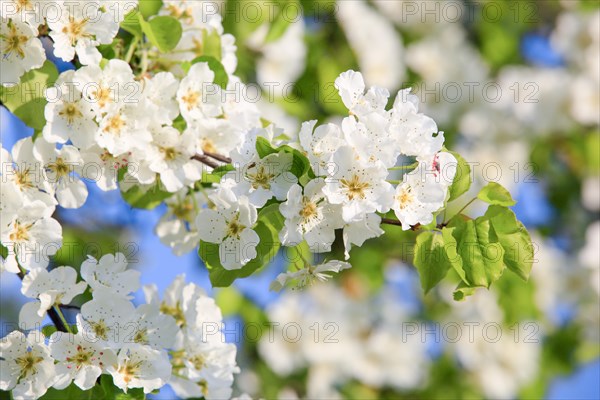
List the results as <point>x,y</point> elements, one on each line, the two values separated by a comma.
<point>464,207</point>
<point>306,263</point>
<point>394,182</point>
<point>131,50</point>
<point>404,167</point>
<point>60,324</point>
<point>62,318</point>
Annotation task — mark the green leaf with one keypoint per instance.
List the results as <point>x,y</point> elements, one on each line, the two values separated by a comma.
<point>270,222</point>
<point>48,330</point>
<point>278,27</point>
<point>264,147</point>
<point>462,179</point>
<point>211,44</point>
<point>163,31</point>
<point>451,249</point>
<point>131,23</point>
<point>145,197</point>
<point>132,394</point>
<point>462,291</point>
<point>430,259</point>
<point>495,194</point>
<point>216,174</point>
<point>27,100</point>
<point>482,257</point>
<point>300,163</point>
<point>149,8</point>
<point>514,238</point>
<point>221,77</point>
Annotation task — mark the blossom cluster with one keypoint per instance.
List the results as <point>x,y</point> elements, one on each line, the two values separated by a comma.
<point>349,188</point>
<point>358,337</point>
<point>76,28</point>
<point>152,133</point>
<point>173,127</point>
<point>176,340</point>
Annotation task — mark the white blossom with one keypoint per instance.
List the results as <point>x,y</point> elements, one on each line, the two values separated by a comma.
<point>110,275</point>
<point>140,366</point>
<point>21,50</point>
<point>79,29</point>
<point>309,216</point>
<point>231,228</point>
<point>80,360</point>
<point>26,367</point>
<point>51,288</point>
<point>308,274</point>
<point>360,189</point>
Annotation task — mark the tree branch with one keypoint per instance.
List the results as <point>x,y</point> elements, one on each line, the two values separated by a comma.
<point>390,221</point>
<point>218,157</point>
<point>54,317</point>
<point>205,160</point>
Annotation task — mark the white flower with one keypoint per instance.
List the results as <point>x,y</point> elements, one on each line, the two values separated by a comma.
<point>60,166</point>
<point>124,130</point>
<point>80,28</point>
<point>231,228</point>
<point>21,50</point>
<point>188,304</point>
<point>320,144</point>
<point>153,328</point>
<point>417,134</point>
<point>309,216</point>
<point>418,196</point>
<point>377,45</point>
<point>263,179</point>
<point>176,228</point>
<point>26,367</point>
<point>31,237</point>
<point>500,367</point>
<point>106,320</point>
<point>351,87</point>
<point>11,199</point>
<point>588,255</point>
<point>171,157</point>
<point>204,363</point>
<point>283,60</point>
<point>200,24</point>
<point>68,116</point>
<point>79,360</point>
<point>51,288</point>
<point>108,88</point>
<point>245,153</point>
<point>27,174</point>
<point>357,232</point>
<point>370,139</point>
<point>102,168</point>
<point>360,189</point>
<point>205,368</point>
<point>160,90</point>
<point>31,11</point>
<point>140,366</point>
<point>383,360</point>
<point>215,135</point>
<point>110,275</point>
<point>309,274</point>
<point>198,96</point>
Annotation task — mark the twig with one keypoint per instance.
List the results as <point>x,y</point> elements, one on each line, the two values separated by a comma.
<point>205,160</point>
<point>54,317</point>
<point>219,157</point>
<point>389,221</point>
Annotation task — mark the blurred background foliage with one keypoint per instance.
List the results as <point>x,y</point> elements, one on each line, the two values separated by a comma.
<point>546,143</point>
